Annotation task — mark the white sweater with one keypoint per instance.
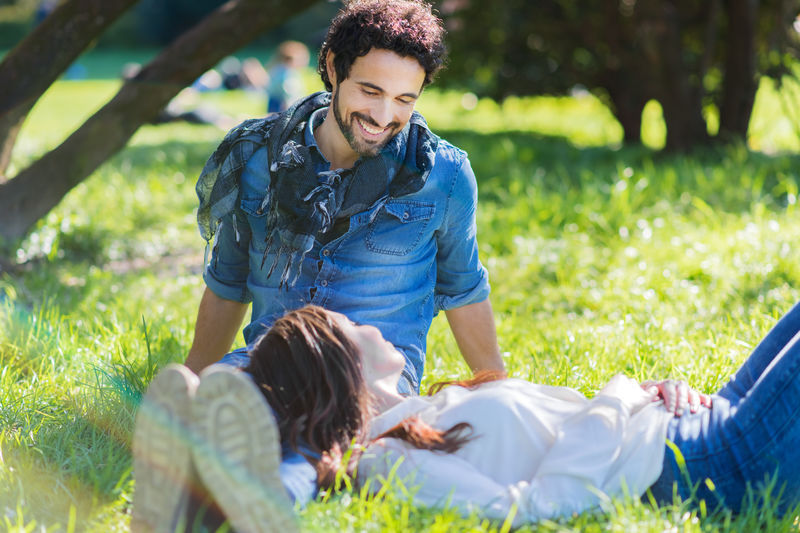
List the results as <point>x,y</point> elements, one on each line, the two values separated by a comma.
<point>547,450</point>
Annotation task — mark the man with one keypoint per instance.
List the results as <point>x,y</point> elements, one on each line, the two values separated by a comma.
<point>348,201</point>
<point>355,206</point>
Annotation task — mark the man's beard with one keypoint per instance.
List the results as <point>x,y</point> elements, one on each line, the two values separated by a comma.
<point>359,146</point>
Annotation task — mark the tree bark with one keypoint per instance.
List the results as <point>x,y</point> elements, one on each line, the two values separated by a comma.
<point>680,97</point>
<point>9,129</point>
<point>739,82</point>
<point>624,76</point>
<point>627,109</point>
<point>40,187</point>
<point>37,61</point>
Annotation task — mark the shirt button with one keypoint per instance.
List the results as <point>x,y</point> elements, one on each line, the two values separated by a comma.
<point>324,282</point>
<point>326,252</point>
<point>405,215</point>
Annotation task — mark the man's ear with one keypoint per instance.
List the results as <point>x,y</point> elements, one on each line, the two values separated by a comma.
<point>329,67</point>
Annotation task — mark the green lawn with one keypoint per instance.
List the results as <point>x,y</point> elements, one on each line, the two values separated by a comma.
<point>603,259</point>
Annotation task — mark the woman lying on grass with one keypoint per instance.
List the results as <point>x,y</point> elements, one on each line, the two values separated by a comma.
<point>492,443</point>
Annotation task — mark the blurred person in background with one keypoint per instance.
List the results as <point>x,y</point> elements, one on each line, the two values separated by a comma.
<point>285,83</point>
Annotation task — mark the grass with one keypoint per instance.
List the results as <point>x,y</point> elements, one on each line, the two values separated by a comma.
<point>603,259</point>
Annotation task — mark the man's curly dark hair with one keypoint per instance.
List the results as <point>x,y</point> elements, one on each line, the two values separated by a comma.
<point>407,27</point>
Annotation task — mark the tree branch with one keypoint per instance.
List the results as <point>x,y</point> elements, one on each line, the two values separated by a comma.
<point>40,187</point>
<point>36,62</point>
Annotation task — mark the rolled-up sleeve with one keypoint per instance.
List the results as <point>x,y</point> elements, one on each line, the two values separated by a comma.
<point>461,279</point>
<point>227,270</point>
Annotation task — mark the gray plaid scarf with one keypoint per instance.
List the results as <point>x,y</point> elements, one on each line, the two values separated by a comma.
<point>302,204</point>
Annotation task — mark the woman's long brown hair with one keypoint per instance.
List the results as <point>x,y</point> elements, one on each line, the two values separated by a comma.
<point>311,375</point>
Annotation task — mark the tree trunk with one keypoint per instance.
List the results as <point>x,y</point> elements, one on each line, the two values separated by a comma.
<point>9,127</point>
<point>40,187</point>
<point>624,77</point>
<point>739,82</point>
<point>628,101</point>
<point>686,127</point>
<point>680,97</point>
<point>37,61</point>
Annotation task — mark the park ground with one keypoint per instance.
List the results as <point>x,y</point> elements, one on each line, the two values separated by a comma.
<point>603,259</point>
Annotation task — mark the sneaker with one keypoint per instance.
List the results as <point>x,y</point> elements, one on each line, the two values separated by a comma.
<point>161,451</point>
<point>238,452</point>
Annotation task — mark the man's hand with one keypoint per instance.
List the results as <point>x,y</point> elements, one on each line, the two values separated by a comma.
<point>677,395</point>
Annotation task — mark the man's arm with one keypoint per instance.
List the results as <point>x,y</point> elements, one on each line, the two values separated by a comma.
<point>473,327</point>
<point>218,322</point>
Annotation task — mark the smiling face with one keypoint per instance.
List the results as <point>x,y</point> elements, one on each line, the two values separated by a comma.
<point>381,362</point>
<point>374,102</point>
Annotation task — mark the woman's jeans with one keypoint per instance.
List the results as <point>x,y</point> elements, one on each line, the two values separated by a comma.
<point>750,436</point>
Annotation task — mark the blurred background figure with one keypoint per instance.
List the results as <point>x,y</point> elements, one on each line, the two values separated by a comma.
<point>285,83</point>
<point>248,74</point>
<point>43,9</point>
<point>233,74</point>
<point>185,106</point>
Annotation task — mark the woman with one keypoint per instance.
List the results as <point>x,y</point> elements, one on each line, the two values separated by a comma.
<point>489,446</point>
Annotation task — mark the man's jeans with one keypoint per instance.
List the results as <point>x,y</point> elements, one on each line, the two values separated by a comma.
<point>298,476</point>
<point>751,433</point>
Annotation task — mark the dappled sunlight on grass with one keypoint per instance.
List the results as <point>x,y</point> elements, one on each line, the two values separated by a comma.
<point>775,125</point>
<point>584,120</point>
<point>602,258</point>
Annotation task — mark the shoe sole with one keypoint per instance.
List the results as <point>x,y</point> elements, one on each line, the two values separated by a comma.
<point>161,451</point>
<point>238,452</point>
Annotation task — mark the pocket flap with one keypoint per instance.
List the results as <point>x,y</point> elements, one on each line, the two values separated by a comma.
<point>409,212</point>
<point>252,205</point>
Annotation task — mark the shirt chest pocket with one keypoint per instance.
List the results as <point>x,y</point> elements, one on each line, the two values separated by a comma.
<point>399,227</point>
<point>256,213</point>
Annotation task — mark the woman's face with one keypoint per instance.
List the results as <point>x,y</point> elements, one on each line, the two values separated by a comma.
<point>381,361</point>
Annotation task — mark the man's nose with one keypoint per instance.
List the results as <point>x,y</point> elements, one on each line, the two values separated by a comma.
<point>382,113</point>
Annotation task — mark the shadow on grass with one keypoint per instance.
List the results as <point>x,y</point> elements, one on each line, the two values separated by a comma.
<point>500,159</point>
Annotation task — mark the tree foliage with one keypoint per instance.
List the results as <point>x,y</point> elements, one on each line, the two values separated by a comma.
<point>686,54</point>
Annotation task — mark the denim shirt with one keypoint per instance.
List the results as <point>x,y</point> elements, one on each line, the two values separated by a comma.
<point>399,262</point>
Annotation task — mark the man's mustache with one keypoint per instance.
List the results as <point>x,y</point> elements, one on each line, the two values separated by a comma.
<point>371,122</point>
